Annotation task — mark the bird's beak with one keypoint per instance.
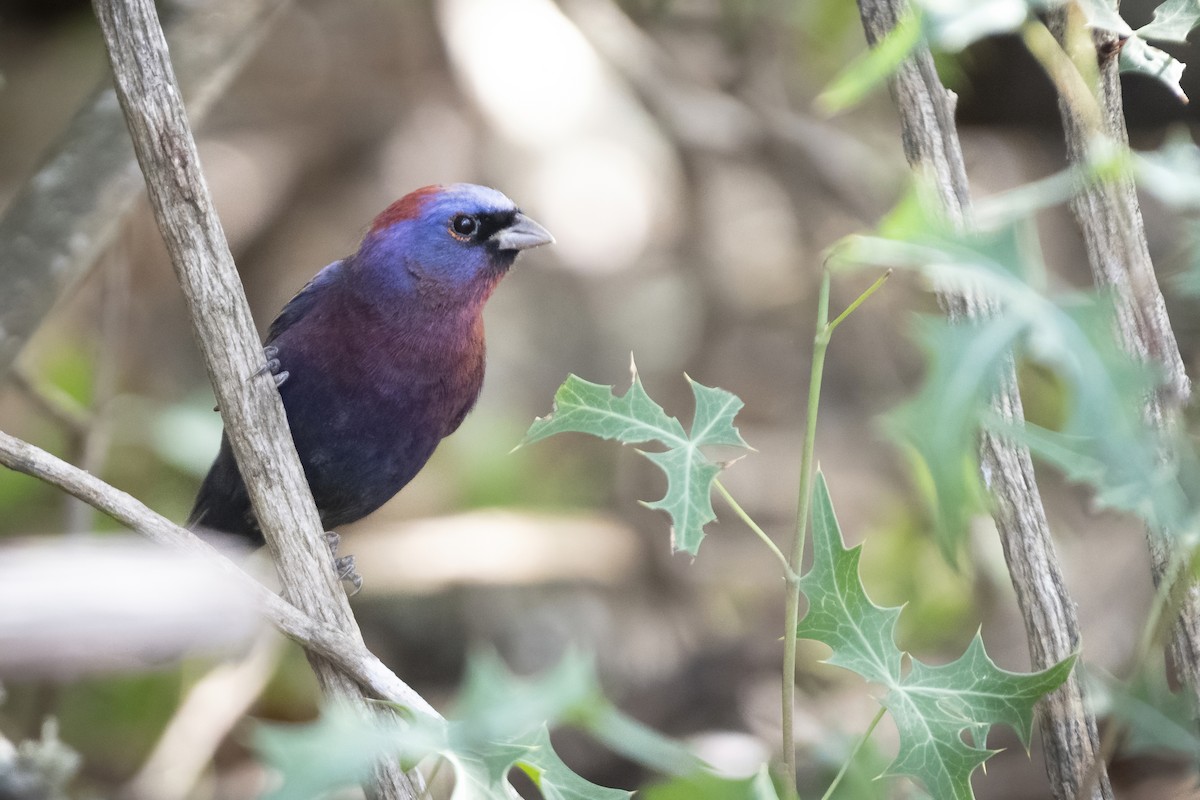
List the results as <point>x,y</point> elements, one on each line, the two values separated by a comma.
<point>522,234</point>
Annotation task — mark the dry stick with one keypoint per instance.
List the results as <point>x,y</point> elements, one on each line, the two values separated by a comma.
<point>1110,218</point>
<point>69,212</point>
<point>932,147</point>
<point>347,652</point>
<point>250,405</point>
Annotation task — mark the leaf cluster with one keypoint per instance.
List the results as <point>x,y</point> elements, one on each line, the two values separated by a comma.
<point>952,25</point>
<point>500,723</point>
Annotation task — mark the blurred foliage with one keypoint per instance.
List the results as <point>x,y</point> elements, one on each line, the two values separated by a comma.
<point>499,722</point>
<point>38,769</point>
<point>861,781</point>
<point>1102,440</point>
<point>1156,718</point>
<point>904,562</point>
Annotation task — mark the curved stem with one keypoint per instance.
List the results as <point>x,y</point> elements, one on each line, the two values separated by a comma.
<point>853,753</point>
<point>750,523</point>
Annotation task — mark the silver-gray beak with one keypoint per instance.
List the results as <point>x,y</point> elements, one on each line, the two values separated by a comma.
<point>522,234</point>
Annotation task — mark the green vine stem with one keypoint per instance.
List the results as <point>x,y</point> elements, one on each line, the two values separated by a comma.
<point>853,753</point>
<point>824,332</point>
<point>791,566</point>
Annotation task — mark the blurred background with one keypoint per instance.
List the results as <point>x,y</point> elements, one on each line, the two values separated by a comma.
<point>673,150</point>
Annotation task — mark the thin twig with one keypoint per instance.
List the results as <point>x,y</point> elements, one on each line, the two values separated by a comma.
<point>858,745</point>
<point>754,526</point>
<point>348,654</point>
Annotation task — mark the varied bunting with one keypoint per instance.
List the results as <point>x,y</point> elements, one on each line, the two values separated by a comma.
<point>381,355</point>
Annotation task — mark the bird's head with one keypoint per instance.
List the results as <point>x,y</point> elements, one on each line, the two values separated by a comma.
<point>447,241</point>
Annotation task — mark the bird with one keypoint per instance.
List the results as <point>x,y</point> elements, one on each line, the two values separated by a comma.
<point>381,355</point>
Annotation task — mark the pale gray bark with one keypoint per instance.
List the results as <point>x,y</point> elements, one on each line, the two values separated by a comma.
<point>1110,219</point>
<point>69,212</point>
<point>250,405</point>
<point>342,649</point>
<point>931,145</point>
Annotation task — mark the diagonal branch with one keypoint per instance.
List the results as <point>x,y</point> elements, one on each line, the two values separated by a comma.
<point>251,407</point>
<point>1110,219</point>
<point>343,650</point>
<point>932,147</point>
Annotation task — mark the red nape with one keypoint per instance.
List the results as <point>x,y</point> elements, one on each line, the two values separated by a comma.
<point>407,207</point>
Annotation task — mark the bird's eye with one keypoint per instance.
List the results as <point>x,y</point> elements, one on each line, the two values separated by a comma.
<point>464,225</point>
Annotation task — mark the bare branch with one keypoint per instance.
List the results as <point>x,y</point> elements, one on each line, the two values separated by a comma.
<point>931,144</point>
<point>69,212</point>
<point>252,410</point>
<point>347,653</point>
<point>1110,218</point>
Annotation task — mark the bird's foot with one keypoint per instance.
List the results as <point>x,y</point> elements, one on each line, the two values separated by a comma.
<point>271,353</point>
<point>344,566</point>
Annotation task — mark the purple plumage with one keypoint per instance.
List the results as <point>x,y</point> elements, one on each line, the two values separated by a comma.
<point>384,353</point>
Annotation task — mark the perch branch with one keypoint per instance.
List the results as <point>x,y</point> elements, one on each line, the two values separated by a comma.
<point>343,650</point>
<point>931,145</point>
<point>69,212</point>
<point>250,406</point>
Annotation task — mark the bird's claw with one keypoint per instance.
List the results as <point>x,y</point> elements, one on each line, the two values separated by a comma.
<point>343,566</point>
<point>271,352</point>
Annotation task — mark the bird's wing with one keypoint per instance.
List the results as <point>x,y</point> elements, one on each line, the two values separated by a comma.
<point>300,305</point>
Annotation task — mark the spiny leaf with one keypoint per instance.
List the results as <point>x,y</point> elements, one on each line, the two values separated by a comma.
<point>1138,55</point>
<point>338,749</point>
<point>932,706</point>
<point>634,418</point>
<point>872,68</point>
<point>708,786</point>
<point>1155,718</point>
<point>555,779</point>
<point>840,614</point>
<point>955,24</point>
<point>1100,14</point>
<point>1173,21</point>
<point>940,426</point>
<point>501,722</point>
<point>1172,172</point>
<point>1103,439</point>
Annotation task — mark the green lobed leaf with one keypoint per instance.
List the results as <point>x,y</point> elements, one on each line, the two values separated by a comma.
<point>939,427</point>
<point>1101,14</point>
<point>955,24</point>
<point>1173,21</point>
<point>1172,172</point>
<point>868,71</point>
<point>1103,439</point>
<point>338,749</point>
<point>634,418</point>
<point>932,706</point>
<point>1155,718</point>
<point>840,615</point>
<point>1139,56</point>
<point>501,722</point>
<point>555,779</point>
<point>708,786</point>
